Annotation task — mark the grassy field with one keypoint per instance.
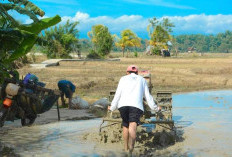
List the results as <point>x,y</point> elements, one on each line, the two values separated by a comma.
<point>187,72</point>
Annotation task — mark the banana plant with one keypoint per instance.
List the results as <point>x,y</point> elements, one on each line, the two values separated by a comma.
<point>17,39</point>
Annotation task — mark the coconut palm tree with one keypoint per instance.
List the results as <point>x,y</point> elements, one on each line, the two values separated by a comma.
<point>128,39</point>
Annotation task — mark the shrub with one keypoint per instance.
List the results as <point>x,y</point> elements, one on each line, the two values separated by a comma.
<point>93,55</point>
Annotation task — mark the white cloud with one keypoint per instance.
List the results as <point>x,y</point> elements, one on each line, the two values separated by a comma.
<point>134,22</point>
<point>190,24</point>
<point>208,24</point>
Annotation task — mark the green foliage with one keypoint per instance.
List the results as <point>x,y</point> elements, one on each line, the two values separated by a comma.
<point>128,39</point>
<point>93,55</point>
<point>61,40</point>
<point>22,7</point>
<point>37,27</point>
<point>5,74</point>
<point>156,51</point>
<point>86,44</point>
<point>159,32</point>
<point>142,48</point>
<point>136,54</point>
<point>17,39</point>
<point>221,42</point>
<point>101,39</point>
<point>24,47</point>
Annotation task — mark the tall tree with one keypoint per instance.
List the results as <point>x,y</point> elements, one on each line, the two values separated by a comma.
<point>128,39</point>
<point>159,33</point>
<point>61,40</point>
<point>101,39</point>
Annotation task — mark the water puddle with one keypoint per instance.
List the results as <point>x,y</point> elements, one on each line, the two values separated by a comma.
<point>204,117</point>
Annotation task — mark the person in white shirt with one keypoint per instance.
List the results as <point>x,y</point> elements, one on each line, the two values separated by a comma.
<point>129,101</point>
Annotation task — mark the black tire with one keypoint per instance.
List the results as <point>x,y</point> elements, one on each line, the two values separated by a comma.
<point>3,115</point>
<point>27,121</point>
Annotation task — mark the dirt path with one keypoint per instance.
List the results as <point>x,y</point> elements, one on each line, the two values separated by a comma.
<point>56,62</point>
<point>52,116</point>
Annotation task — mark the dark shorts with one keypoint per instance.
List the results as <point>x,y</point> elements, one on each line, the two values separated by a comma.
<point>130,114</point>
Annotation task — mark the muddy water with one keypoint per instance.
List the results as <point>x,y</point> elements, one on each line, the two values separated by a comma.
<point>55,139</point>
<point>204,117</point>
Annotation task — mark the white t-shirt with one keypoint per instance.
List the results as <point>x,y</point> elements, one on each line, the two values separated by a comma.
<point>130,92</point>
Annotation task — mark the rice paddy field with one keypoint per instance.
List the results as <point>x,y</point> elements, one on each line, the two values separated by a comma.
<point>184,73</point>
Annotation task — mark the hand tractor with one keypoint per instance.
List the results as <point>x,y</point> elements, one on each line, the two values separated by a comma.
<point>155,129</point>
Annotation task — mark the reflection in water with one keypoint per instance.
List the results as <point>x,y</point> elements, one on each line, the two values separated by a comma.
<point>204,116</point>
<point>207,121</point>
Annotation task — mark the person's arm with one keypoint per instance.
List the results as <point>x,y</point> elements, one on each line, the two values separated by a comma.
<point>117,96</point>
<point>149,98</point>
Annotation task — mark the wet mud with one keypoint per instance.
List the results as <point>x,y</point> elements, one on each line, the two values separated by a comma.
<point>147,141</point>
<point>202,124</point>
<point>7,151</point>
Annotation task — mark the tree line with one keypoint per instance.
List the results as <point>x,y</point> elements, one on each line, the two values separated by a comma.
<point>101,42</point>
<point>61,40</point>
<point>221,42</point>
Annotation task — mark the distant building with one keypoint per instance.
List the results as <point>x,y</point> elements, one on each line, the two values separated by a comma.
<point>191,49</point>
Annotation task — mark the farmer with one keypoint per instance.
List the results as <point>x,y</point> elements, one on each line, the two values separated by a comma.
<point>67,88</point>
<point>129,101</point>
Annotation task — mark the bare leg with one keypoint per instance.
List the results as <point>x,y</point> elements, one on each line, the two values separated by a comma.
<point>132,135</point>
<point>62,99</point>
<point>125,137</point>
<point>70,100</point>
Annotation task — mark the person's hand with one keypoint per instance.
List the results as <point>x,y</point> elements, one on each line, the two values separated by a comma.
<point>159,109</point>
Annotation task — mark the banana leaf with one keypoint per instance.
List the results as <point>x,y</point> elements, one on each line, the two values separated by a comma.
<point>25,46</point>
<point>10,39</point>
<point>29,33</point>
<point>29,6</point>
<point>41,25</point>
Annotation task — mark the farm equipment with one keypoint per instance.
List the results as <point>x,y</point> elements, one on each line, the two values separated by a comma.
<point>24,101</point>
<point>158,128</point>
<point>165,52</point>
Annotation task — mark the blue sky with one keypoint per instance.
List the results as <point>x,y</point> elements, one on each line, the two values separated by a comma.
<point>189,16</point>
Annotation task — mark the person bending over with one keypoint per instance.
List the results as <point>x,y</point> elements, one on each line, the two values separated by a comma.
<point>67,88</point>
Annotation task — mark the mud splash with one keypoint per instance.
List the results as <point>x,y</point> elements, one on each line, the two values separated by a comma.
<point>147,141</point>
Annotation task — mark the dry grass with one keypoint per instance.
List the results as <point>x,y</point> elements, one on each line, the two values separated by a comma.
<point>186,73</point>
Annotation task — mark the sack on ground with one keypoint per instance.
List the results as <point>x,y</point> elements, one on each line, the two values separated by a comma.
<point>102,103</point>
<point>78,103</point>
